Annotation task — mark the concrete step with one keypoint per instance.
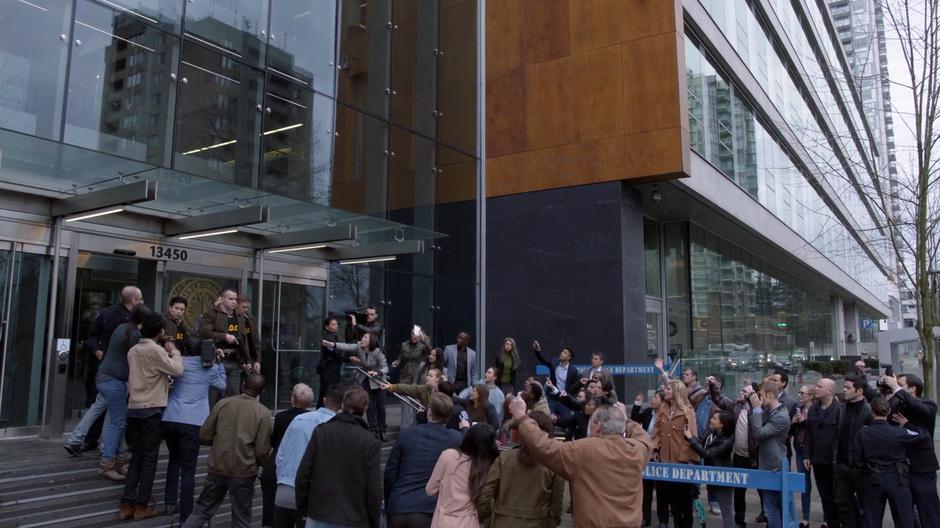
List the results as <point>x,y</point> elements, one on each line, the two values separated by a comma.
<point>41,485</point>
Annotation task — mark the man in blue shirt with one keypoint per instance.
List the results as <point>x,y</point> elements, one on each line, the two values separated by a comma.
<point>291,451</point>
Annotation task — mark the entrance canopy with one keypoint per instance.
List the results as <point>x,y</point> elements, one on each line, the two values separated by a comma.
<point>190,206</point>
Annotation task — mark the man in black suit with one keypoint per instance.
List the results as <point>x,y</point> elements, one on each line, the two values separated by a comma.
<point>562,375</point>
<point>918,414</point>
<point>411,463</point>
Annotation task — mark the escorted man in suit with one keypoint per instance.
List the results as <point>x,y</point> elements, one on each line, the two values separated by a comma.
<point>411,463</point>
<point>460,363</point>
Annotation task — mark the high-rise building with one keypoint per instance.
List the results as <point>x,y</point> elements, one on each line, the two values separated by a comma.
<point>682,179</point>
<point>320,156</point>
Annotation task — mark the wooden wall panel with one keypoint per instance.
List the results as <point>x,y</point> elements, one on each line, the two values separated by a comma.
<point>584,91</point>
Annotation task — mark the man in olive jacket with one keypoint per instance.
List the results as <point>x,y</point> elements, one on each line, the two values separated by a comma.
<point>221,324</point>
<point>239,429</point>
<point>339,481</point>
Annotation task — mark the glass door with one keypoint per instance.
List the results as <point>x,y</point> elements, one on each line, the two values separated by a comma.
<point>292,313</point>
<point>25,279</point>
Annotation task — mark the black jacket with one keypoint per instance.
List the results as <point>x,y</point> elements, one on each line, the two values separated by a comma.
<point>339,480</point>
<point>281,421</point>
<point>577,422</point>
<point>714,449</point>
<point>822,431</point>
<point>571,377</point>
<point>410,465</point>
<point>922,418</point>
<point>853,417</point>
<point>883,444</point>
<point>642,416</point>
<point>330,359</point>
<point>99,335</point>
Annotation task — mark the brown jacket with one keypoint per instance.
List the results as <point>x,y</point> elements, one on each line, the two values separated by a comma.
<point>214,325</point>
<point>669,435</point>
<point>605,472</point>
<point>239,429</point>
<point>517,495</point>
<point>148,365</point>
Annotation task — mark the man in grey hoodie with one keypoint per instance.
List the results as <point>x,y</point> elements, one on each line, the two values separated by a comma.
<point>770,422</point>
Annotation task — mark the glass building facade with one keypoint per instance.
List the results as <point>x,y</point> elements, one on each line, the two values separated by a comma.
<point>329,112</point>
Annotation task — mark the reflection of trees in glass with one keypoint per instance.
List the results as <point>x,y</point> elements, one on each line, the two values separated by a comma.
<point>349,286</point>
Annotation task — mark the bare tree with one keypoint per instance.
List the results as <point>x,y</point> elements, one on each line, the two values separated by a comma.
<point>914,233</point>
<point>350,285</point>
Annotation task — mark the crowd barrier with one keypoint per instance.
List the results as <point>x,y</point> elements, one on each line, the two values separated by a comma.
<point>783,480</point>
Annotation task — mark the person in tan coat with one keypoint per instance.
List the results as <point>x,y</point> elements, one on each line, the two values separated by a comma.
<point>605,470</point>
<point>519,492</point>
<point>669,445</point>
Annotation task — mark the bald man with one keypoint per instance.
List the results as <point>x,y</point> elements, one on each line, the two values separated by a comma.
<point>85,435</point>
<point>822,428</point>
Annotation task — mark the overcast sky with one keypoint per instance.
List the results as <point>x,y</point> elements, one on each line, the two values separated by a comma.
<point>902,101</point>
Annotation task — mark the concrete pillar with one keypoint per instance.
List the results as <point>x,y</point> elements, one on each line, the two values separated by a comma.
<point>838,327</point>
<point>851,327</point>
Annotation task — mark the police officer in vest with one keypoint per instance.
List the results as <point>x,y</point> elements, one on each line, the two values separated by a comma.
<point>176,329</point>
<point>221,324</point>
<point>881,456</point>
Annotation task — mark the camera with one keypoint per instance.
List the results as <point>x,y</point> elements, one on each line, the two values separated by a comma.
<point>882,387</point>
<point>207,352</point>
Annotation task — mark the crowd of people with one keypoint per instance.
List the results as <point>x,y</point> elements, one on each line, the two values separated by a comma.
<point>487,451</point>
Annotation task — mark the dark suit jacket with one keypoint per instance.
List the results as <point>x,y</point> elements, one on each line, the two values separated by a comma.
<point>922,416</point>
<point>642,415</point>
<point>410,465</point>
<point>338,480</point>
<point>571,377</point>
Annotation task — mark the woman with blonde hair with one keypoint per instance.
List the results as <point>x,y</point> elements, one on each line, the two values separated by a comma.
<point>798,431</point>
<point>669,445</point>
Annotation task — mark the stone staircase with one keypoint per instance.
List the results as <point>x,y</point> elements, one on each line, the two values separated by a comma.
<point>41,485</point>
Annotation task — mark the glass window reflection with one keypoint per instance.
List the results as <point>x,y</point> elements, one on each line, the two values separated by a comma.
<point>360,162</point>
<point>34,47</point>
<point>415,65</point>
<point>364,42</point>
<point>302,41</point>
<point>121,95</point>
<point>219,124</point>
<point>167,14</point>
<point>457,99</point>
<point>239,27</point>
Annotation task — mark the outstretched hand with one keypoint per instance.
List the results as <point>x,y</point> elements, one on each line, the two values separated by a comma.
<point>517,407</point>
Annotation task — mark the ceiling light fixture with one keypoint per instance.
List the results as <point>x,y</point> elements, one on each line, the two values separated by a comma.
<point>282,129</point>
<point>210,147</point>
<point>299,248</point>
<point>209,234</point>
<point>86,216</point>
<point>368,260</point>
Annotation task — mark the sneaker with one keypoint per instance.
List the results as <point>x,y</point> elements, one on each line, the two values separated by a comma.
<point>120,464</point>
<point>74,449</point>
<point>107,470</point>
<point>125,511</point>
<point>144,512</point>
<point>715,509</point>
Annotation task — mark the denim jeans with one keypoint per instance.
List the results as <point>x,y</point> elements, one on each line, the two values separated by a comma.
<point>93,413</point>
<point>804,497</point>
<point>114,392</point>
<point>182,442</point>
<point>773,508</point>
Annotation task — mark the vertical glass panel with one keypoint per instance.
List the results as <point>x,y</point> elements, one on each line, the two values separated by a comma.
<point>457,87</point>
<point>168,14</point>
<point>721,151</point>
<point>414,65</point>
<point>289,139</point>
<point>653,254</point>
<point>360,163</point>
<point>300,316</point>
<point>239,27</point>
<point>696,96</point>
<point>653,333</point>
<point>745,146</point>
<point>302,42</point>
<point>455,195</point>
<point>364,54</point>
<point>34,40</point>
<point>676,237</point>
<point>121,95</point>
<point>23,340</point>
<point>219,123</point>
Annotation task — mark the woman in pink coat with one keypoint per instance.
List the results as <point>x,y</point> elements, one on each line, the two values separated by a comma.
<point>458,477</point>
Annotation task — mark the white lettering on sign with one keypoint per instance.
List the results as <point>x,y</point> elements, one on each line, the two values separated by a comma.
<point>700,475</point>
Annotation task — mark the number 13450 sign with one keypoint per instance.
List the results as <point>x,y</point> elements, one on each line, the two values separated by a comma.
<point>166,253</point>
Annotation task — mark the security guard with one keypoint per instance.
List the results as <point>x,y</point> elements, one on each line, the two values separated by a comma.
<point>221,324</point>
<point>880,450</point>
<point>176,330</point>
